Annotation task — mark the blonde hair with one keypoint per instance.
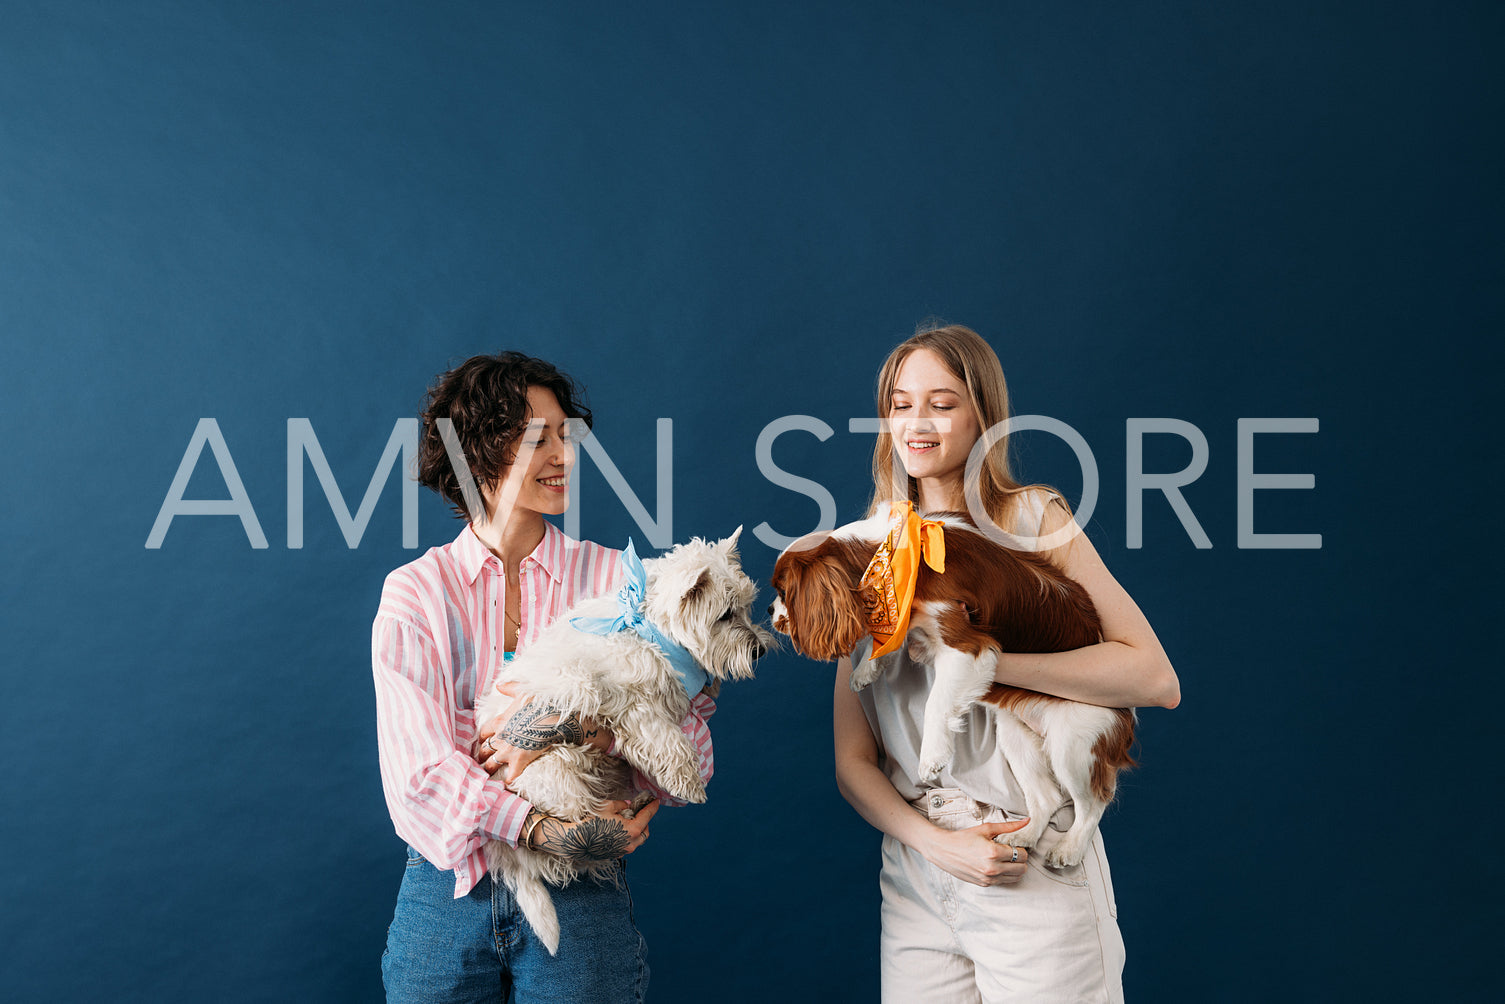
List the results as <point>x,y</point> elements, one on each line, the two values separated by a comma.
<point>972,361</point>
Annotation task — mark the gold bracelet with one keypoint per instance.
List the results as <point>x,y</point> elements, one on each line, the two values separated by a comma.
<point>527,835</point>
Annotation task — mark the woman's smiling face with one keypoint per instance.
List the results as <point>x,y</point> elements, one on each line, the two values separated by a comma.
<point>539,476</point>
<point>933,421</point>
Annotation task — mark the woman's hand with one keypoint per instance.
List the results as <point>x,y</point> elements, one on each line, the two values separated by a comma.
<point>526,729</point>
<point>973,856</point>
<point>591,841</point>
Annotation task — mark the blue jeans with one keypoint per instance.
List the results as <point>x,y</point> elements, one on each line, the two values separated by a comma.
<point>480,948</point>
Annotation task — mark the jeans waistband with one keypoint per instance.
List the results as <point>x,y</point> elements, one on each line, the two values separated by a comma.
<point>949,803</point>
<point>933,802</point>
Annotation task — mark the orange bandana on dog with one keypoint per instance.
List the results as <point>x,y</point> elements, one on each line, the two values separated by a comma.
<point>888,584</point>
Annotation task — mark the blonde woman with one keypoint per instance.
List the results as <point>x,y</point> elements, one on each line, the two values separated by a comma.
<point>961,919</point>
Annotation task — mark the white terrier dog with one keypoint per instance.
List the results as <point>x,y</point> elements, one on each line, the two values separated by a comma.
<point>696,598</point>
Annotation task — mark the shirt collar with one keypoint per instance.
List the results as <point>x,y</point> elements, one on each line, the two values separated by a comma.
<point>471,555</point>
<point>550,551</point>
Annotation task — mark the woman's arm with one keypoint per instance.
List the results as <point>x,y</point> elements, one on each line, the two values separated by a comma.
<point>969,854</point>
<point>1127,669</point>
<point>590,841</point>
<point>525,729</point>
<point>439,799</point>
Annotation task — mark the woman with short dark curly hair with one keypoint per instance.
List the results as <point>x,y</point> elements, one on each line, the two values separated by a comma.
<point>485,402</point>
<point>498,441</point>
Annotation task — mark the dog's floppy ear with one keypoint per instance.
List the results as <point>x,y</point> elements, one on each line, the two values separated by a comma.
<point>826,616</point>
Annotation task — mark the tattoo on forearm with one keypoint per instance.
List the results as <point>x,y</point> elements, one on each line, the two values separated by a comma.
<point>569,730</point>
<point>591,841</point>
<point>538,726</point>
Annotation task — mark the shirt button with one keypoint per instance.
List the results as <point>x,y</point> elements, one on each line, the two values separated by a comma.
<point>936,801</point>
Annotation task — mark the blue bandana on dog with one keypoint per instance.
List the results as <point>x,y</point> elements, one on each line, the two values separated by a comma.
<point>630,618</point>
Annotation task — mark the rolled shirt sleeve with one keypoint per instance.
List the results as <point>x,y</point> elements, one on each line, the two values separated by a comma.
<point>441,801</point>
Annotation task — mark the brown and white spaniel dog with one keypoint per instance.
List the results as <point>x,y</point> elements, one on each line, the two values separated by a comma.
<point>990,599</point>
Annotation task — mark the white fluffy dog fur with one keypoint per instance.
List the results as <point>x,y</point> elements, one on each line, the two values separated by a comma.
<point>699,597</point>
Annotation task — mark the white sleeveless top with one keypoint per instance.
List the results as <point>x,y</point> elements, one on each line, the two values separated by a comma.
<point>895,707</point>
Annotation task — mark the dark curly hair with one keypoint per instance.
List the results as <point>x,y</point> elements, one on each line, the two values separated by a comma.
<point>486,397</point>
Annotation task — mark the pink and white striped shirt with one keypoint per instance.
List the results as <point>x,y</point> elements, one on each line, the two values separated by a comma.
<point>437,640</point>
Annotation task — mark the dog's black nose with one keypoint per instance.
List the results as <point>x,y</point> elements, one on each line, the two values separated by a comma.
<point>770,609</point>
<point>760,651</point>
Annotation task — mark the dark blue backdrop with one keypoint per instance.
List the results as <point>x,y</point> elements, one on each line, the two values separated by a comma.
<point>724,215</point>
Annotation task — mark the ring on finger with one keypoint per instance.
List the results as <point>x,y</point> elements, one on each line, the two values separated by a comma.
<point>1016,855</point>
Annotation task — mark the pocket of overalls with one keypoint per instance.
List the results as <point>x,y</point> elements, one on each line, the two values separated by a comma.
<point>1075,876</point>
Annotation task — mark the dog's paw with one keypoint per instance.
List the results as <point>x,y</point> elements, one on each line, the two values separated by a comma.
<point>1026,837</point>
<point>936,754</point>
<point>685,785</point>
<point>1066,854</point>
<point>870,669</point>
<point>931,767</point>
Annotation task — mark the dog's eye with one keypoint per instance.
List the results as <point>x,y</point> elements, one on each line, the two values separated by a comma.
<point>730,613</point>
